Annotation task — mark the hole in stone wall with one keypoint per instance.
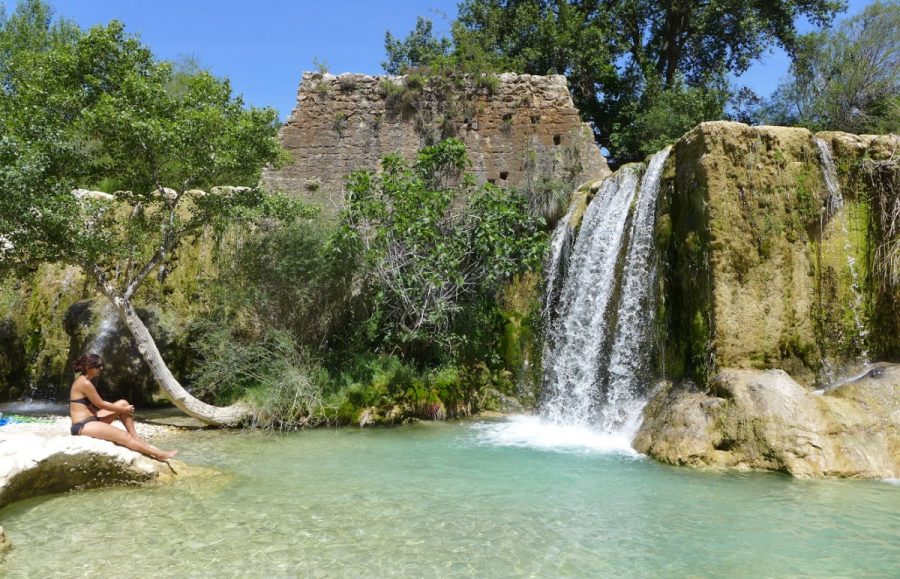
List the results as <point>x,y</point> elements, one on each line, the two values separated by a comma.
<point>507,117</point>
<point>504,175</point>
<point>535,119</point>
<point>557,140</point>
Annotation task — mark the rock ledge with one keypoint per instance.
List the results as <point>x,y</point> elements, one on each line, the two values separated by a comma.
<point>764,420</point>
<point>39,463</point>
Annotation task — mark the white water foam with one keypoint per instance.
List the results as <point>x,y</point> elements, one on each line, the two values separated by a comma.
<point>541,434</point>
<point>34,407</point>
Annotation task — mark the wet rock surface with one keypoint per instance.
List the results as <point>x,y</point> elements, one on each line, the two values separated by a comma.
<point>764,420</point>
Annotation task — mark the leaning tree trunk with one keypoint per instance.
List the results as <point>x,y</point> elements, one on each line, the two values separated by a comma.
<point>214,415</point>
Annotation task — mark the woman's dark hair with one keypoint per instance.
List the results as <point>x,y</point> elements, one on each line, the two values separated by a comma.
<point>86,361</point>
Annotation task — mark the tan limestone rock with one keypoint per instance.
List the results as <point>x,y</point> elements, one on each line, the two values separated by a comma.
<point>764,420</point>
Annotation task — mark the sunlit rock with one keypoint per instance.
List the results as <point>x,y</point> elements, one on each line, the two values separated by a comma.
<point>764,420</point>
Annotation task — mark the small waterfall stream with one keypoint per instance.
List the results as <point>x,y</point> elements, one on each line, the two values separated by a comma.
<point>630,364</point>
<point>572,359</point>
<point>104,332</point>
<point>560,248</point>
<point>835,199</point>
<point>833,203</point>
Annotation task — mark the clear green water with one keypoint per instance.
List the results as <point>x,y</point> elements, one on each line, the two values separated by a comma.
<point>442,500</point>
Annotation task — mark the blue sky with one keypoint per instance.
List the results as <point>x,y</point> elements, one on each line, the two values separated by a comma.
<point>265,45</point>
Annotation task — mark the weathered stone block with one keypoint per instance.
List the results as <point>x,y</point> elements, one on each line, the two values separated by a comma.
<point>526,129</point>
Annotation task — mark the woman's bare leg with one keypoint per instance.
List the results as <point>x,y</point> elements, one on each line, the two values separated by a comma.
<point>127,420</point>
<point>104,431</point>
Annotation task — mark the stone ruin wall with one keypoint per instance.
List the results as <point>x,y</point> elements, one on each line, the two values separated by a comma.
<point>519,135</point>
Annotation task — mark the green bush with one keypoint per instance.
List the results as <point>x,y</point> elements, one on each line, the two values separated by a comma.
<point>664,115</point>
<point>294,278</point>
<point>285,389</point>
<point>434,245</point>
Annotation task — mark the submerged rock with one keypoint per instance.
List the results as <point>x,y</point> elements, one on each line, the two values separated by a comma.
<point>5,543</point>
<point>765,420</point>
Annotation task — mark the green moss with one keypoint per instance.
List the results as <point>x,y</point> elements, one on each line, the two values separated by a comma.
<point>520,341</point>
<point>50,293</point>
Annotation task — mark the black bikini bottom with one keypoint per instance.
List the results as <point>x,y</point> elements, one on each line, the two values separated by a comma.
<point>77,426</point>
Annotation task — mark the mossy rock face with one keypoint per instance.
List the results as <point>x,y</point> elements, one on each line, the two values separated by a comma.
<point>38,311</point>
<point>94,326</point>
<point>755,275</point>
<point>36,307</point>
<point>12,358</point>
<point>520,344</point>
<point>868,168</point>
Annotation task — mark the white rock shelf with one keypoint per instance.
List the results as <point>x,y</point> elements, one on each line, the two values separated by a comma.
<point>43,458</point>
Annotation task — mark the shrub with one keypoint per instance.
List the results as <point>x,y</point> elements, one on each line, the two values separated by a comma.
<point>348,83</point>
<point>284,388</point>
<point>295,278</point>
<point>487,82</point>
<point>433,244</point>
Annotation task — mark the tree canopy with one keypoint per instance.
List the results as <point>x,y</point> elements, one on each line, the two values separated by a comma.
<point>848,78</point>
<point>420,47</point>
<point>82,110</point>
<point>629,58</point>
<point>96,110</point>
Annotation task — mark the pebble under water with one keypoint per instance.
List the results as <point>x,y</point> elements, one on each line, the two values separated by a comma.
<point>501,498</point>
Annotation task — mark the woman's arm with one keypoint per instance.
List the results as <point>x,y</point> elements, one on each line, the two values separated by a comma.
<point>87,388</point>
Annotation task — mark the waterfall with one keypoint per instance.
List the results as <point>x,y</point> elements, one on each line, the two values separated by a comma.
<point>630,364</point>
<point>833,203</point>
<point>835,200</point>
<point>560,248</point>
<point>579,335</point>
<point>107,325</point>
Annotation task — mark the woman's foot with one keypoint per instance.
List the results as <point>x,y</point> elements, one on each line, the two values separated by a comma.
<point>166,455</point>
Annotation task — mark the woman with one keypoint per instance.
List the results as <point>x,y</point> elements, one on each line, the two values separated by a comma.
<point>93,416</point>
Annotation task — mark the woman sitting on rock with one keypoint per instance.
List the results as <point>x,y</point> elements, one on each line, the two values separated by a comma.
<point>93,416</point>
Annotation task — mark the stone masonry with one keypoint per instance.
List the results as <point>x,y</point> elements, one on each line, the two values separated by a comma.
<point>524,132</point>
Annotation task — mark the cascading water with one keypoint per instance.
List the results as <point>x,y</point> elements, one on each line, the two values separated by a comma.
<point>560,249</point>
<point>598,315</point>
<point>107,325</point>
<point>631,357</point>
<point>579,334</point>
<point>834,202</point>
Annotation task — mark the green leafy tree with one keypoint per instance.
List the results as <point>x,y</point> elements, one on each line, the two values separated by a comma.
<point>627,58</point>
<point>94,109</point>
<point>662,115</point>
<point>432,242</point>
<point>848,78</point>
<point>419,48</point>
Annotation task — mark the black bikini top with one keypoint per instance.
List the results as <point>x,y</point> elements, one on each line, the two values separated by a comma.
<point>84,401</point>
